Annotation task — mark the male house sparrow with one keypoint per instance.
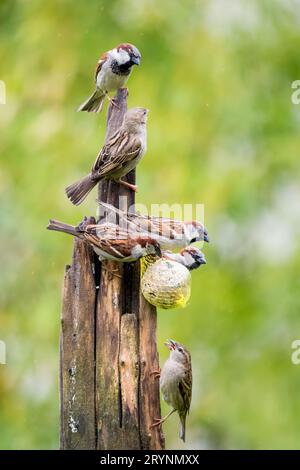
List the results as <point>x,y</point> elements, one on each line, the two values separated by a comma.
<point>176,383</point>
<point>109,242</point>
<point>190,257</point>
<point>118,157</point>
<point>112,72</point>
<point>172,234</point>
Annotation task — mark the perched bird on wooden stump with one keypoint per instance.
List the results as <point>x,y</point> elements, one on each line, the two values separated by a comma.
<point>118,157</point>
<point>112,72</point>
<point>176,383</point>
<point>109,242</point>
<point>172,234</point>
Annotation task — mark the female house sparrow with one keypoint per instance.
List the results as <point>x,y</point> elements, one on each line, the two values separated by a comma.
<point>176,383</point>
<point>172,234</point>
<point>117,158</point>
<point>110,242</point>
<point>112,72</point>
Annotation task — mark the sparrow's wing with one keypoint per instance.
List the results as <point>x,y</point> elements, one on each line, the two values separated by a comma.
<point>119,248</point>
<point>109,247</point>
<point>156,226</point>
<point>100,62</point>
<point>143,219</point>
<point>121,148</point>
<point>172,229</point>
<point>112,231</point>
<point>112,247</point>
<point>173,224</point>
<point>185,389</point>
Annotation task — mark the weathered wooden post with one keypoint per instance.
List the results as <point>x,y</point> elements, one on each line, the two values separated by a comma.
<point>108,343</point>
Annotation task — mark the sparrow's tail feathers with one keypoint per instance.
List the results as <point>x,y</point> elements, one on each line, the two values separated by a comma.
<point>62,227</point>
<point>182,427</point>
<point>78,191</point>
<point>94,103</point>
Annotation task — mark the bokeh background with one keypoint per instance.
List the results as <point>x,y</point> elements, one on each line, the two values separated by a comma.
<point>222,131</point>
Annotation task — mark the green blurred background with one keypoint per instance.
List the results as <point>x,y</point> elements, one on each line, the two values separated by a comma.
<point>222,131</point>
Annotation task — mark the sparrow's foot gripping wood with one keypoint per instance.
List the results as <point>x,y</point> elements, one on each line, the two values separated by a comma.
<point>112,101</point>
<point>156,373</point>
<point>159,422</point>
<point>133,187</point>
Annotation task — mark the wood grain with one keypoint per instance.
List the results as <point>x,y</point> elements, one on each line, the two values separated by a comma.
<point>149,404</point>
<point>77,352</point>
<point>108,318</point>
<point>129,379</point>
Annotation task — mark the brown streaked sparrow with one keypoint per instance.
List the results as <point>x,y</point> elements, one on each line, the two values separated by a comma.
<point>118,157</point>
<point>112,72</point>
<point>176,383</point>
<point>172,234</point>
<point>108,241</point>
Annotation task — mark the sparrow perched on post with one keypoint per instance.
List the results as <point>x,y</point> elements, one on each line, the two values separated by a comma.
<point>118,157</point>
<point>176,383</point>
<point>112,72</point>
<point>172,234</point>
<point>109,241</point>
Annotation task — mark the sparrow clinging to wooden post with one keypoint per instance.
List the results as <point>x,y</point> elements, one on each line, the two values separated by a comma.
<point>176,383</point>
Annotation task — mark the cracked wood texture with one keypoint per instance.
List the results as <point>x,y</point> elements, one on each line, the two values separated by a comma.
<point>108,342</point>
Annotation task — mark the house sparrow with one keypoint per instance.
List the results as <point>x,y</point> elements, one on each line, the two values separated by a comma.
<point>109,241</point>
<point>112,72</point>
<point>172,234</point>
<point>190,257</point>
<point>176,383</point>
<point>118,157</point>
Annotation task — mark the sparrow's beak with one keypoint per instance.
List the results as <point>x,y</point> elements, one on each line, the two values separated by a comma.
<point>135,60</point>
<point>158,251</point>
<point>205,237</point>
<point>200,259</point>
<point>171,345</point>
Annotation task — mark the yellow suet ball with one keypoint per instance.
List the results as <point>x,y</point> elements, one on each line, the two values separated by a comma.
<point>166,284</point>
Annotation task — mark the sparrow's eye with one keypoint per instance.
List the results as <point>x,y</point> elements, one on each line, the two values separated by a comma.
<point>193,240</point>
<point>180,349</point>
